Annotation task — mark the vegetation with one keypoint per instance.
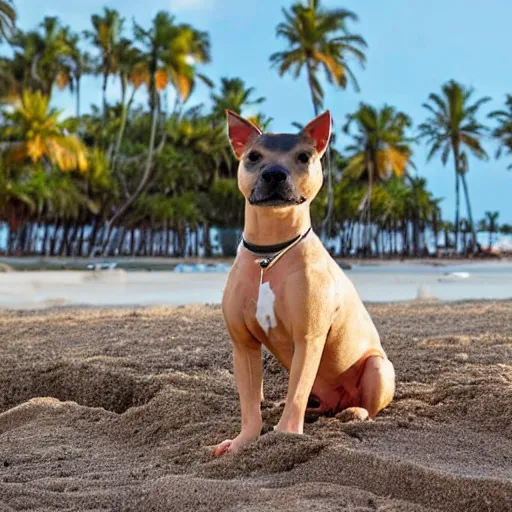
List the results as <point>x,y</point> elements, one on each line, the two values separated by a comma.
<point>454,129</point>
<point>155,179</point>
<point>7,18</point>
<point>319,40</point>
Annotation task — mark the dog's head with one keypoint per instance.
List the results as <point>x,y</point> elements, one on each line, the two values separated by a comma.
<point>279,170</point>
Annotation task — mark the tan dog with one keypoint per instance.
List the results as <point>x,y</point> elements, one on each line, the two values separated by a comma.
<point>285,291</point>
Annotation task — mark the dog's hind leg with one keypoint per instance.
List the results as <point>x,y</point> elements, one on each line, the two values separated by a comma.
<point>377,384</point>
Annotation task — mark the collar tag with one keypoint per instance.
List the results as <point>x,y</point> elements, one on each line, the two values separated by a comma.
<point>265,262</point>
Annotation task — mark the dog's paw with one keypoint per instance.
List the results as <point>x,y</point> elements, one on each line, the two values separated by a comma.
<point>353,414</point>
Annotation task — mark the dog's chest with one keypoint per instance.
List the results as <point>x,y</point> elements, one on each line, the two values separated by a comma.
<point>265,307</point>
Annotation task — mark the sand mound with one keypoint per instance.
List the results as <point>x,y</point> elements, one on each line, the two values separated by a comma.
<point>119,409</point>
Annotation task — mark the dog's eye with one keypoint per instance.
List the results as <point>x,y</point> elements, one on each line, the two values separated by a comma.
<point>254,156</point>
<point>303,157</point>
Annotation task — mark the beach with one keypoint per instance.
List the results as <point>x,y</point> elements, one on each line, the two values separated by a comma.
<point>120,408</point>
<point>158,283</point>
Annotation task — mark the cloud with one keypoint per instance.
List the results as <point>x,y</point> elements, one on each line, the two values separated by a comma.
<point>190,5</point>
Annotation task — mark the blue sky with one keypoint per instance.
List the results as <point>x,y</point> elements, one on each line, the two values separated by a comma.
<point>414,47</point>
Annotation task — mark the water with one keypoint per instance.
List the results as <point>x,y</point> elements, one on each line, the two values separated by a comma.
<point>375,283</point>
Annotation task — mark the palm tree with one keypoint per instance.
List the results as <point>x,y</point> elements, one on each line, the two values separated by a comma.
<point>437,221</point>
<point>319,40</point>
<point>80,63</point>
<point>132,71</point>
<point>491,224</point>
<point>15,200</point>
<point>234,96</point>
<point>380,149</point>
<point>40,57</point>
<point>10,84</point>
<point>7,19</point>
<point>171,52</point>
<point>451,129</point>
<point>447,228</point>
<point>107,30</point>
<point>35,135</point>
<point>503,132</point>
<point>422,210</point>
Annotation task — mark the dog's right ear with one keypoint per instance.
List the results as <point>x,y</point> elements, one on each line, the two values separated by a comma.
<point>240,131</point>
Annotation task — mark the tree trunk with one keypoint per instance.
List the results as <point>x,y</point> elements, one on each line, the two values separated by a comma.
<point>34,235</point>
<point>166,238</point>
<point>368,238</point>
<point>311,73</point>
<point>78,96</point>
<point>196,235</point>
<point>23,237</point>
<point>120,134</point>
<point>104,90</point>
<point>415,236</point>
<point>45,239</point>
<point>457,196</point>
<point>142,184</point>
<point>120,245</point>
<point>326,223</point>
<point>53,241</point>
<point>177,241</point>
<point>151,238</point>
<point>65,238</point>
<point>132,242</point>
<point>70,240</point>
<point>207,243</point>
<point>470,214</point>
<point>92,237</point>
<point>9,241</point>
<point>143,248</point>
<point>80,247</point>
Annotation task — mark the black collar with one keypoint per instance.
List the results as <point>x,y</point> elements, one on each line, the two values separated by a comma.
<point>272,249</point>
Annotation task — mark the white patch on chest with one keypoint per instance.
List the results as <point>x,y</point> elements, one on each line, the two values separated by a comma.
<point>265,314</point>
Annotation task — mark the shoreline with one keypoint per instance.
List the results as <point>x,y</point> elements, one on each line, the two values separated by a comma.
<point>157,263</point>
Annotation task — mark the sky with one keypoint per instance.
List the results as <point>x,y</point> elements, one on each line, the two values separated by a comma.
<point>413,48</point>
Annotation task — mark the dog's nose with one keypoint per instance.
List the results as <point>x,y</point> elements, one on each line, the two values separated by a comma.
<point>274,174</point>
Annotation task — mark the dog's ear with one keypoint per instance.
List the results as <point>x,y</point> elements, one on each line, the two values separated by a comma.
<point>240,131</point>
<point>319,129</point>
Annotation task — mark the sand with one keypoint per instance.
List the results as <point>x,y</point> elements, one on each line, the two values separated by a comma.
<point>118,409</point>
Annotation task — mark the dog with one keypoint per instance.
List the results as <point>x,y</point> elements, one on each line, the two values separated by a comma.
<point>284,291</point>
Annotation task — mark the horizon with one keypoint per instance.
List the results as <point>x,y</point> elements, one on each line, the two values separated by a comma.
<point>430,58</point>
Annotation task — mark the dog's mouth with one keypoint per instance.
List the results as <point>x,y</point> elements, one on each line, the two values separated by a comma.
<point>275,199</point>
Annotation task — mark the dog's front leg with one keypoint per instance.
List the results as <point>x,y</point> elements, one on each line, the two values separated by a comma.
<point>303,371</point>
<point>309,303</point>
<point>248,376</point>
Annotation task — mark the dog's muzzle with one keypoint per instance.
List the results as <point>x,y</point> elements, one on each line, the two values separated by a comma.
<point>275,188</point>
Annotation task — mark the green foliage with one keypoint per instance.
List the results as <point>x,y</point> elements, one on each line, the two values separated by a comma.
<point>233,96</point>
<point>503,131</point>
<point>7,19</point>
<point>453,128</point>
<point>148,165</point>
<point>319,40</point>
<point>381,147</point>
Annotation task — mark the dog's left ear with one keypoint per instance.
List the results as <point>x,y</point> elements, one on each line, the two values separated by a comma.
<point>319,129</point>
<point>240,131</point>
